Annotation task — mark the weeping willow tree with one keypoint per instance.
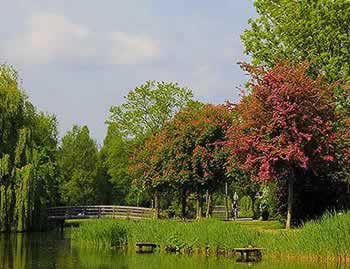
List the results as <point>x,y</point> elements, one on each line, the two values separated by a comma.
<point>28,143</point>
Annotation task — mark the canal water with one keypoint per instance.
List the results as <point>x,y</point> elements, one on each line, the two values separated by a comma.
<point>53,250</point>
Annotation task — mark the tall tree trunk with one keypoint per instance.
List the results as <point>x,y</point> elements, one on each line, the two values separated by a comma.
<point>183,203</point>
<point>226,202</point>
<point>254,207</point>
<point>156,206</point>
<point>208,213</point>
<point>290,200</point>
<point>199,206</point>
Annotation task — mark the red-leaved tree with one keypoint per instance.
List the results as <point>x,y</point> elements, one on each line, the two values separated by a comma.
<point>197,161</point>
<point>284,127</point>
<point>147,166</point>
<point>185,155</point>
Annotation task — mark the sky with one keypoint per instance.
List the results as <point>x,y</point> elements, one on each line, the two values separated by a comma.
<point>78,58</point>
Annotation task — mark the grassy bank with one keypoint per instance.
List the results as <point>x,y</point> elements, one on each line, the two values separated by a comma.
<point>328,238</point>
<point>181,236</point>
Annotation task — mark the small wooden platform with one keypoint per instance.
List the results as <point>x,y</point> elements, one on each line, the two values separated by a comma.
<point>146,247</point>
<point>248,253</point>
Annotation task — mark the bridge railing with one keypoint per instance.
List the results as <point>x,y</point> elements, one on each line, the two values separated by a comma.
<point>219,212</point>
<point>100,211</point>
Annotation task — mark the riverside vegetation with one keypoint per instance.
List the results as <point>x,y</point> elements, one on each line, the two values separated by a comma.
<point>327,239</point>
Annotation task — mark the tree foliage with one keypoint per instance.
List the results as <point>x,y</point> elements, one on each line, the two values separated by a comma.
<point>114,162</point>
<point>77,160</point>
<point>148,107</point>
<point>316,31</point>
<point>186,155</point>
<point>145,111</point>
<point>343,131</point>
<point>285,123</point>
<point>285,126</point>
<point>28,172</point>
<point>196,147</point>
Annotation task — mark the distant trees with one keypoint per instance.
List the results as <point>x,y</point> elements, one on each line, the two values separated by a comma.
<point>78,164</point>
<point>101,176</point>
<point>28,170</point>
<point>114,163</point>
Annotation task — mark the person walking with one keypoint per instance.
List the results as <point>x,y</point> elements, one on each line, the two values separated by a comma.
<point>235,206</point>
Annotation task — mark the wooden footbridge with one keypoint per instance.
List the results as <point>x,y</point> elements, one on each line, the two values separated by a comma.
<point>58,215</point>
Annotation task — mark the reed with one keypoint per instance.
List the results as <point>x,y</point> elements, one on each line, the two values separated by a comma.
<point>327,238</point>
<point>205,234</point>
<point>101,234</point>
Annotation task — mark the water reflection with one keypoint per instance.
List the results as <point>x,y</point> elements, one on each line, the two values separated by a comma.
<point>51,250</point>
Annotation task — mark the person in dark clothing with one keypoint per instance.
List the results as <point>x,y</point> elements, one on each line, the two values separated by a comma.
<point>234,212</point>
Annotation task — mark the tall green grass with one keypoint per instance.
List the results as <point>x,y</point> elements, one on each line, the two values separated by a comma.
<point>101,234</point>
<point>206,234</point>
<point>328,237</point>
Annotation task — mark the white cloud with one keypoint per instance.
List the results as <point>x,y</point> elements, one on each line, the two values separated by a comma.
<point>54,38</point>
<point>128,49</point>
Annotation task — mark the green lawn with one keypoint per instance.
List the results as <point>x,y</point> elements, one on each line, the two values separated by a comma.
<point>270,225</point>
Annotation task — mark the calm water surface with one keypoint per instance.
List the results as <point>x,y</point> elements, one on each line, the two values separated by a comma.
<point>52,250</point>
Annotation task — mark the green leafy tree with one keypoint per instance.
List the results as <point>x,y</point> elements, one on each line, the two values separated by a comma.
<point>316,31</point>
<point>313,30</point>
<point>78,162</point>
<point>114,162</point>
<point>145,111</point>
<point>28,171</point>
<point>148,107</point>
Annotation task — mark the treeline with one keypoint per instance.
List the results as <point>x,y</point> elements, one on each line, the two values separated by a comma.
<point>93,175</point>
<point>285,145</point>
<point>287,134</point>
